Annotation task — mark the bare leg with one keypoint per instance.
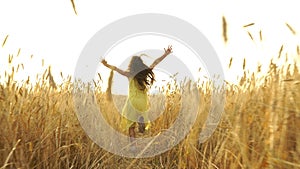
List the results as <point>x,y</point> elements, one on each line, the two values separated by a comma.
<point>132,138</point>
<point>132,133</point>
<point>141,124</point>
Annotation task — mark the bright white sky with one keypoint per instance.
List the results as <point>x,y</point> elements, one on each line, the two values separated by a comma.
<point>51,31</point>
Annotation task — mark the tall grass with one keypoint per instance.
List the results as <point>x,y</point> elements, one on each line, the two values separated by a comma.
<point>259,127</point>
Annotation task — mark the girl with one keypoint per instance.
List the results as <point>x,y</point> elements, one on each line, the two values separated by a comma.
<point>140,77</point>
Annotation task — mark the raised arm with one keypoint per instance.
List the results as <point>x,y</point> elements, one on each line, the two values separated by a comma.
<point>158,60</point>
<point>122,72</point>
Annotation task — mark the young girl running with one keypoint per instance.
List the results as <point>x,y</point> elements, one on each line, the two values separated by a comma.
<point>140,77</point>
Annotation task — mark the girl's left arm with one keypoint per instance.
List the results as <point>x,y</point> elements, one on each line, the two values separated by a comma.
<point>158,60</point>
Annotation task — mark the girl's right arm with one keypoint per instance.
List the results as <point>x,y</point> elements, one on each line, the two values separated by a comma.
<point>122,72</point>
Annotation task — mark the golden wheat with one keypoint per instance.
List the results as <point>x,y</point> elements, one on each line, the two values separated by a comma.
<point>290,28</point>
<point>250,24</point>
<point>258,129</point>
<point>224,26</point>
<point>4,41</point>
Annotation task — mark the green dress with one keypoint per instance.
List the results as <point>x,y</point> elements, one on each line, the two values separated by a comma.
<point>137,105</point>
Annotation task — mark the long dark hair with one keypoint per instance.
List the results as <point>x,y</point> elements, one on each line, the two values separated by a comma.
<point>141,72</point>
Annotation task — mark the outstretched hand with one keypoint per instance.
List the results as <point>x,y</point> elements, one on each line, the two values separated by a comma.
<point>169,50</point>
<point>104,62</point>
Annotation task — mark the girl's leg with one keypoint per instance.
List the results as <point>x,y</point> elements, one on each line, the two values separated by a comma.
<point>132,132</point>
<point>141,123</point>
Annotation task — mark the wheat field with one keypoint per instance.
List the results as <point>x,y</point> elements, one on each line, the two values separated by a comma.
<point>259,127</point>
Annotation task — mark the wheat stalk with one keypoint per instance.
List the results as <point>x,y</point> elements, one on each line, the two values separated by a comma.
<point>4,41</point>
<point>224,23</point>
